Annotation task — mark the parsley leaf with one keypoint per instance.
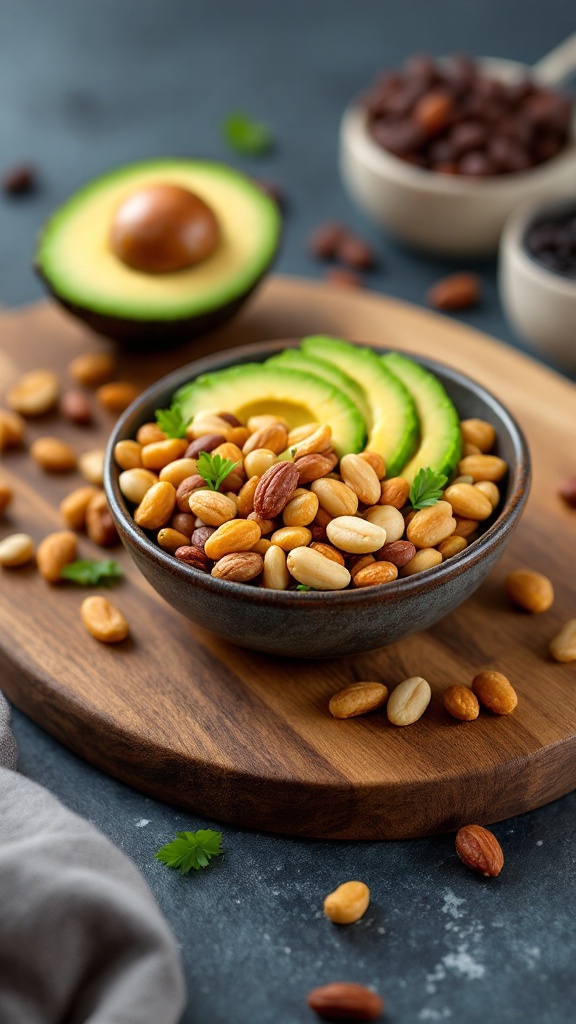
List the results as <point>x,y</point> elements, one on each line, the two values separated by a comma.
<point>246,136</point>
<point>214,469</point>
<point>191,850</point>
<point>171,421</point>
<point>427,488</point>
<point>302,586</point>
<point>89,573</point>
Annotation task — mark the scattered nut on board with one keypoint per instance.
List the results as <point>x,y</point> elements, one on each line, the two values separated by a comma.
<point>567,491</point>
<point>53,455</point>
<point>461,703</point>
<point>34,394</point>
<point>54,552</point>
<point>16,550</point>
<point>12,427</point>
<point>91,369</point>
<point>530,590</point>
<point>6,496</point>
<point>345,1000</point>
<point>495,692</point>
<point>348,903</point>
<point>358,699</point>
<point>563,645</point>
<point>103,620</point>
<point>408,701</point>
<point>479,850</point>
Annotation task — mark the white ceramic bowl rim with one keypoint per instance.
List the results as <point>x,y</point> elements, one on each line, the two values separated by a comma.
<point>514,238</point>
<point>386,163</point>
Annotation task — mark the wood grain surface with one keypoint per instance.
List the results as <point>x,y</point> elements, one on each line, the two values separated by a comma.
<point>245,738</point>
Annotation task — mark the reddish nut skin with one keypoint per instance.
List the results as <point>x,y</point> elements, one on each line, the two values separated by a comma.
<point>75,406</point>
<point>185,489</point>
<point>479,850</point>
<point>206,443</point>
<point>196,557</point>
<point>230,418</point>
<point>343,278</point>
<point>274,489</point>
<point>399,552</point>
<point>345,1000</point>
<point>200,536</point>
<point>457,291</point>
<point>567,491</point>
<point>355,253</point>
<point>324,240</point>
<point>17,181</point>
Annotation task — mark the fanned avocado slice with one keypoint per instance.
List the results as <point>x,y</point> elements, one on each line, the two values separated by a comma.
<point>392,424</point>
<point>440,438</point>
<point>295,359</point>
<point>252,389</point>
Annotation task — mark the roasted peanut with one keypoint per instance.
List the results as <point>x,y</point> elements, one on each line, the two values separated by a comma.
<point>431,525</point>
<point>461,703</point>
<point>395,491</point>
<point>466,500</point>
<point>92,368</point>
<point>261,546</point>
<point>469,449</point>
<point>376,461</point>
<point>56,551</point>
<point>313,570</point>
<point>100,525</point>
<point>495,692</point>
<point>116,396</point>
<point>563,646</point>
<point>212,507</point>
<point>483,467</point>
<point>478,432</point>
<point>275,576</point>
<point>16,550</point>
<point>135,482</point>
<point>5,496</point>
<point>268,419</point>
<point>103,620</point>
<point>389,518</point>
<point>239,566</point>
<point>424,559</point>
<point>328,551</point>
<point>358,562</point>
<point>170,539</point>
<point>91,465</point>
<point>149,433</point>
<point>177,471</point>
<point>157,506</point>
<point>207,423</point>
<point>246,496</point>
<point>159,454</point>
<point>355,535</point>
<point>452,546</point>
<point>313,467</point>
<point>348,903</point>
<point>530,590</point>
<point>34,394</point>
<point>375,574</point>
<point>259,461</point>
<point>318,441</point>
<point>290,537</point>
<point>300,433</point>
<point>359,475</point>
<point>301,508</point>
<point>239,435</point>
<point>230,451</point>
<point>235,535</point>
<point>358,699</point>
<point>74,506</point>
<point>12,428</point>
<point>465,527</point>
<point>53,455</point>
<point>408,701</point>
<point>489,489</point>
<point>128,454</point>
<point>274,437</point>
<point>335,497</point>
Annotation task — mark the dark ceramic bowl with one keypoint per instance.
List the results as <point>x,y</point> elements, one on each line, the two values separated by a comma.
<point>322,624</point>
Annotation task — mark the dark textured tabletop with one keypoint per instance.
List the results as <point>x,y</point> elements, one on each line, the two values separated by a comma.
<point>86,86</point>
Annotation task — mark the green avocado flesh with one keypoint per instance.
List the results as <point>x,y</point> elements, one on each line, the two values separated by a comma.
<point>294,359</point>
<point>392,424</point>
<point>256,388</point>
<point>75,258</point>
<point>440,438</point>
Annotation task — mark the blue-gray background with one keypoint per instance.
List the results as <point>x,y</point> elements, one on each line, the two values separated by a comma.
<point>84,86</point>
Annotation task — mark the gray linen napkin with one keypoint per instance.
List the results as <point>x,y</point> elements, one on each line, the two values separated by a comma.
<point>82,940</point>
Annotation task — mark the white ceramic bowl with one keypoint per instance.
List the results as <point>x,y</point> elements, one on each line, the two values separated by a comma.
<point>539,304</point>
<point>448,214</point>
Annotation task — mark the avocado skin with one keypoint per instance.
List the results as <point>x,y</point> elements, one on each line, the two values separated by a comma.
<point>152,335</point>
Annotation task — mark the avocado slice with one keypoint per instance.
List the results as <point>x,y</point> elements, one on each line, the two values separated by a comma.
<point>255,388</point>
<point>441,443</point>
<point>295,359</point>
<point>392,424</point>
<point>76,260</point>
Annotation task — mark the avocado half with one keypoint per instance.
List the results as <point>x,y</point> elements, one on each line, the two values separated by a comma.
<point>75,260</point>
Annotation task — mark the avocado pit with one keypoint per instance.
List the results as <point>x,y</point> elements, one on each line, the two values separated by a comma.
<point>163,228</point>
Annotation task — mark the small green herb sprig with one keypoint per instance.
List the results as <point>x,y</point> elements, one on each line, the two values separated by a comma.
<point>427,488</point>
<point>171,421</point>
<point>88,573</point>
<point>214,469</point>
<point>245,135</point>
<point>191,851</point>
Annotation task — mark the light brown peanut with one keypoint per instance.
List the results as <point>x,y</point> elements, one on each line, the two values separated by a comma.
<point>239,566</point>
<point>335,497</point>
<point>359,475</point>
<point>74,506</point>
<point>135,482</point>
<point>358,699</point>
<point>348,903</point>
<point>12,428</point>
<point>246,496</point>
<point>177,471</point>
<point>208,423</point>
<point>479,850</point>
<point>358,562</point>
<point>563,645</point>
<point>424,559</point>
<point>469,449</point>
<point>213,508</point>
<point>116,396</point>
<point>298,434</point>
<point>318,441</point>
<point>91,465</point>
<point>274,437</point>
<point>157,506</point>
<point>290,537</point>
<point>452,546</point>
<point>495,692</point>
<point>301,509</point>
<point>466,500</point>
<point>375,574</point>
<point>103,620</point>
<point>261,546</point>
<point>315,571</point>
<point>259,461</point>
<point>530,590</point>
<point>465,527</point>
<point>53,455</point>
<point>408,701</point>
<point>149,433</point>
<point>328,551</point>
<point>159,454</point>
<point>355,535</point>
<point>395,491</point>
<point>229,450</point>
<point>170,539</point>
<point>483,467</point>
<point>92,368</point>
<point>267,419</point>
<point>376,461</point>
<point>479,433</point>
<point>389,518</point>
<point>235,535</point>
<point>6,496</point>
<point>239,436</point>
<point>490,490</point>
<point>16,550</point>
<point>34,394</point>
<point>461,703</point>
<point>431,525</point>
<point>275,575</point>
<point>100,525</point>
<point>56,551</point>
<point>128,454</point>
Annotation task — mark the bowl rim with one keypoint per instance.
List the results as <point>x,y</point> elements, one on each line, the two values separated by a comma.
<point>513,241</point>
<point>426,581</point>
<point>354,135</point>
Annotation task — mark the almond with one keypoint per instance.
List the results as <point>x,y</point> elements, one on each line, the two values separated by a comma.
<point>399,552</point>
<point>495,692</point>
<point>238,567</point>
<point>456,291</point>
<point>345,1000</point>
<point>313,467</point>
<point>204,443</point>
<point>530,590</point>
<point>479,850</point>
<point>195,556</point>
<point>274,489</point>
<point>461,703</point>
<point>567,491</point>
<point>358,699</point>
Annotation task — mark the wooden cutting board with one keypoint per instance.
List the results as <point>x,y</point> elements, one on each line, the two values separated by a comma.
<point>246,738</point>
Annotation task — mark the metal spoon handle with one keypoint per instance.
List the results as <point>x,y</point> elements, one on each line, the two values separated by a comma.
<point>557,65</point>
